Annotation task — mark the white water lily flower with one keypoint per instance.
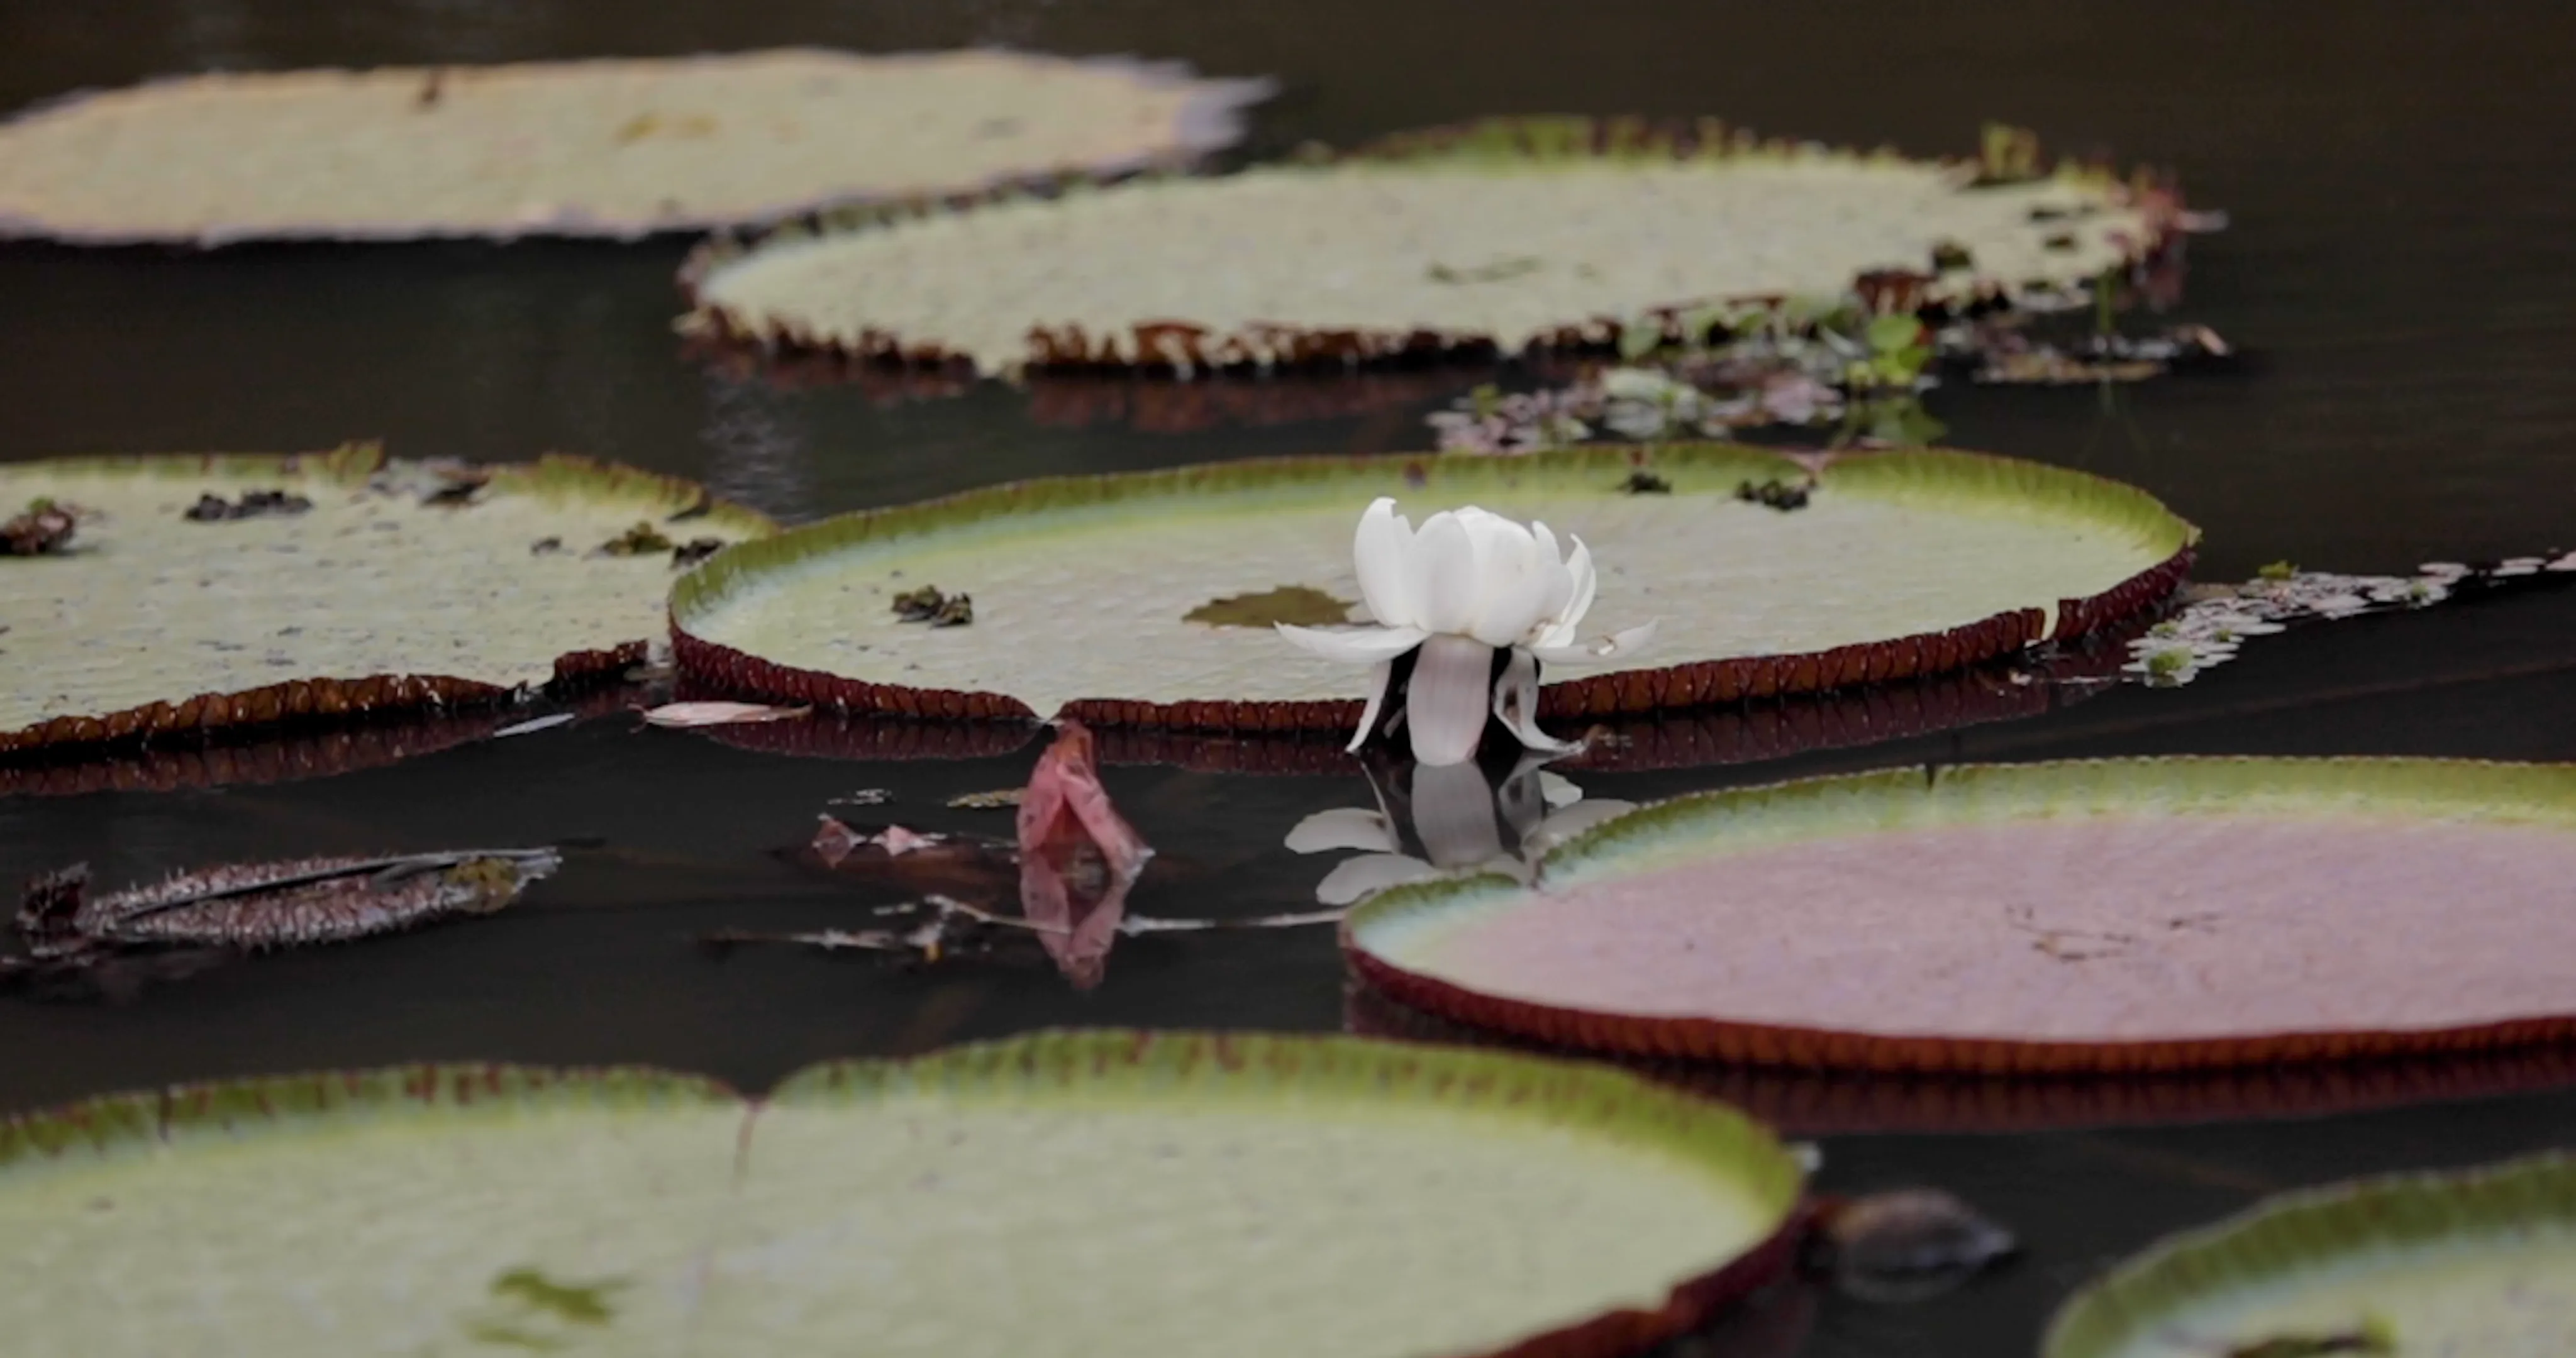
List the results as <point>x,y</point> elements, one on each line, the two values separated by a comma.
<point>1470,583</point>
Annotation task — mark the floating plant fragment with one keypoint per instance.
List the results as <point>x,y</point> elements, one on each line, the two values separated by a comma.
<point>371,598</point>
<point>2209,629</point>
<point>2332,908</point>
<point>586,148</point>
<point>1900,564</point>
<point>1508,235</point>
<point>1433,1202</point>
<point>2481,1261</point>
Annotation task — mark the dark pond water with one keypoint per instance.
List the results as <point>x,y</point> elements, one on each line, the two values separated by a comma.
<point>2402,259</point>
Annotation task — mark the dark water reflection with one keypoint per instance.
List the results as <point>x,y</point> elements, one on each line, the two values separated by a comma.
<point>2403,257</point>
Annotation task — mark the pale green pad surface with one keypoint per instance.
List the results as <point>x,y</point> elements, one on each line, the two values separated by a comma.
<point>1343,1207</point>
<point>2476,1264</point>
<point>589,147</point>
<point>1089,600</point>
<point>1502,249</point>
<point>147,606</point>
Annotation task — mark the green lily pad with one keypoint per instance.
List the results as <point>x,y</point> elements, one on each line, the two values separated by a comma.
<point>2124,915</point>
<point>323,585</point>
<point>1068,1193</point>
<point>1513,234</point>
<point>1084,587</point>
<point>2478,1262</point>
<point>585,148</point>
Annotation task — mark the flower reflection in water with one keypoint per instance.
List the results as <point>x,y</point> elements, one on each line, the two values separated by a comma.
<point>1439,820</point>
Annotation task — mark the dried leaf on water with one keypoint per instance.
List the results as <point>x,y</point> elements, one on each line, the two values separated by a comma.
<point>719,714</point>
<point>995,800</point>
<point>255,906</point>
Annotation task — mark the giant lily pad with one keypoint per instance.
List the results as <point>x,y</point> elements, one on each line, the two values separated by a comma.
<point>2478,1262</point>
<point>1137,599</point>
<point>1511,234</point>
<point>1073,1193</point>
<point>356,586</point>
<point>2119,915</point>
<point>586,148</point>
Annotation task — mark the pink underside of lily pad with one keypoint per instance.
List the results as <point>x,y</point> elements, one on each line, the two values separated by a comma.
<point>2116,929</point>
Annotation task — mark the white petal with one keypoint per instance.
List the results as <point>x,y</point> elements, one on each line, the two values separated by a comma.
<point>1379,674</point>
<point>1382,553</point>
<point>1344,827</point>
<point>1515,603</point>
<point>1560,579</point>
<point>1356,645</point>
<point>1610,647</point>
<point>1557,789</point>
<point>1445,701</point>
<point>1353,878</point>
<point>1560,629</point>
<point>1445,574</point>
<point>1516,705</point>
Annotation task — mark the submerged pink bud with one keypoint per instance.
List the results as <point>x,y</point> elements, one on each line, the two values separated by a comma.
<point>1078,857</point>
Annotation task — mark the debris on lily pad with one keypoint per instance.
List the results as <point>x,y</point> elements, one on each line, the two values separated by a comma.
<point>369,599</point>
<point>251,504</point>
<point>1935,561</point>
<point>618,148</point>
<point>1509,236</point>
<point>1434,1202</point>
<point>44,527</point>
<point>2437,911</point>
<point>2477,1261</point>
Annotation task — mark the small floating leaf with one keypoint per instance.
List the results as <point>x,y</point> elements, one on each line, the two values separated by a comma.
<point>1296,605</point>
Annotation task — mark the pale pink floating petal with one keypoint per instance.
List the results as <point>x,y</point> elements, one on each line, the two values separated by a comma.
<point>1078,858</point>
<point>719,714</point>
